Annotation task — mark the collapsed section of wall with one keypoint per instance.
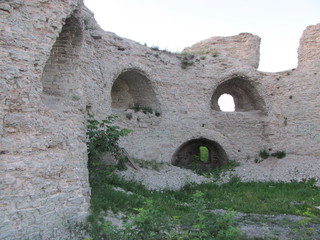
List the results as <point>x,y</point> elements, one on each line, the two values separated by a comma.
<point>309,49</point>
<point>244,47</point>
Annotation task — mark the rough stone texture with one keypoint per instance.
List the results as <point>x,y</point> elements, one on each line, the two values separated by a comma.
<point>43,159</point>
<point>57,65</point>
<point>309,50</point>
<point>167,178</point>
<point>244,47</point>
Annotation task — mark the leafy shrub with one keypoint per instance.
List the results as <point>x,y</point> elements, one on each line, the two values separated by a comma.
<point>102,136</point>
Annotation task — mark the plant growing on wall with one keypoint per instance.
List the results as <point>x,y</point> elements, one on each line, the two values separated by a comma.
<point>103,136</point>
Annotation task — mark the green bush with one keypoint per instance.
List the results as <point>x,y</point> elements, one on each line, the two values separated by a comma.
<point>102,136</point>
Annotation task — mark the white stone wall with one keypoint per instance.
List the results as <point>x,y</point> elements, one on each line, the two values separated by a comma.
<point>277,111</point>
<point>43,158</point>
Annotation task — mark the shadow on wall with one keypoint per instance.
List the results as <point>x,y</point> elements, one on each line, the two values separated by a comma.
<point>133,89</point>
<point>60,74</point>
<point>201,153</point>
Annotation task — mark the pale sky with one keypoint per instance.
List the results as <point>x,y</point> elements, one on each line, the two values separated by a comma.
<point>176,24</point>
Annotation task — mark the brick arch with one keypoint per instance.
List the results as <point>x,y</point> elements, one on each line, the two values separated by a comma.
<point>245,95</point>
<point>133,88</point>
<point>189,151</point>
<point>61,72</point>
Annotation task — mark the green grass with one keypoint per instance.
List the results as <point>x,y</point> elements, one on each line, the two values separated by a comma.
<point>251,197</point>
<point>263,198</point>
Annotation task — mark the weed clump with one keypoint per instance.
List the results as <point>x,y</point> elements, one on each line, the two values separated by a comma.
<point>129,116</point>
<point>187,60</point>
<point>264,154</point>
<point>186,63</point>
<point>156,48</point>
<point>279,154</point>
<point>203,57</point>
<point>215,54</point>
<point>146,110</point>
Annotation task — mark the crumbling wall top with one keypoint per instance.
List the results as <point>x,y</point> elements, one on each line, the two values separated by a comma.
<point>309,50</point>
<point>245,47</point>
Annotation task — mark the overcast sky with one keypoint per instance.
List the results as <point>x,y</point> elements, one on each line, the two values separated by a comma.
<point>176,24</point>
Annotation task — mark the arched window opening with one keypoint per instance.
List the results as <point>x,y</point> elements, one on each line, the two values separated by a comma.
<point>61,72</point>
<point>226,103</point>
<point>200,155</point>
<point>132,89</point>
<point>245,96</point>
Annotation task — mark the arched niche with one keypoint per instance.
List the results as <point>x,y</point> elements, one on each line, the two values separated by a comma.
<point>61,72</point>
<point>246,97</point>
<point>133,89</point>
<point>189,155</point>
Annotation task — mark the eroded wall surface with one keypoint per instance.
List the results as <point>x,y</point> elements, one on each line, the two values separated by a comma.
<point>57,66</point>
<point>43,159</point>
<point>274,111</point>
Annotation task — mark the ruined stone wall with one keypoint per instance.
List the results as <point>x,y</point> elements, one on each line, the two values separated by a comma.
<point>57,65</point>
<point>274,111</point>
<point>185,97</point>
<point>43,173</point>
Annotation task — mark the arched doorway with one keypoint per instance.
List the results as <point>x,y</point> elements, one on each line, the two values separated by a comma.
<point>202,154</point>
